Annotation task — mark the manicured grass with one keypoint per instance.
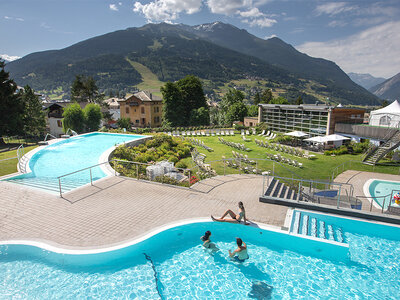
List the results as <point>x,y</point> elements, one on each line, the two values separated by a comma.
<point>10,166</point>
<point>320,168</point>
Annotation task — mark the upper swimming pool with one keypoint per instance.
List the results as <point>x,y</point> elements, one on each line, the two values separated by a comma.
<point>68,156</point>
<point>377,189</point>
<point>172,264</point>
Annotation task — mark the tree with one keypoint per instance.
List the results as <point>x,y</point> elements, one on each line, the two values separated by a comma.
<point>299,100</point>
<point>252,110</point>
<point>74,118</point>
<point>236,112</point>
<point>173,105</point>
<point>192,95</point>
<point>200,116</point>
<point>266,96</point>
<point>33,118</point>
<point>231,97</point>
<point>11,105</point>
<point>257,98</point>
<point>124,123</point>
<point>93,116</point>
<point>84,89</point>
<point>279,100</point>
<point>180,99</point>
<point>385,103</point>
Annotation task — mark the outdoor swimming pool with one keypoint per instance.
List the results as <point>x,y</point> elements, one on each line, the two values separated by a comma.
<point>173,265</point>
<point>378,188</point>
<point>68,156</point>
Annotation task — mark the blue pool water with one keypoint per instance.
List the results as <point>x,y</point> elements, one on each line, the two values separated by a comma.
<point>71,155</point>
<point>173,265</point>
<point>379,188</point>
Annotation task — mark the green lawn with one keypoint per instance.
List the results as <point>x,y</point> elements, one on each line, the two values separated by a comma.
<point>320,168</point>
<point>10,166</point>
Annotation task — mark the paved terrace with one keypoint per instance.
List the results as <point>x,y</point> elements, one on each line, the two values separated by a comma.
<point>118,209</point>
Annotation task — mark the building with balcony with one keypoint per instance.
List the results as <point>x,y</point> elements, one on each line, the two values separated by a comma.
<point>313,119</point>
<point>143,109</point>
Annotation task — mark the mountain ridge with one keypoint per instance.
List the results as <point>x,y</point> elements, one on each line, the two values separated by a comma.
<point>365,80</point>
<point>389,89</point>
<point>99,57</point>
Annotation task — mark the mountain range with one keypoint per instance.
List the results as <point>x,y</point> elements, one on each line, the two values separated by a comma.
<point>367,81</point>
<point>389,89</point>
<point>218,53</point>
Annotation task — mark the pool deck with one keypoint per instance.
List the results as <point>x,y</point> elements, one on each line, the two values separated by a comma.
<point>118,209</point>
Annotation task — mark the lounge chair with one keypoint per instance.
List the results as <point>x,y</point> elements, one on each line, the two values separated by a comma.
<point>262,133</point>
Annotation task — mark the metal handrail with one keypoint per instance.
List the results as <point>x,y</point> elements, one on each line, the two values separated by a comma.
<point>20,154</point>
<point>47,135</point>
<point>72,131</point>
<point>106,162</point>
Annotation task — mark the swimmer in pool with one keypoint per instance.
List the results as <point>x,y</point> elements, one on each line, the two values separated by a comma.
<point>240,254</point>
<point>234,217</point>
<point>206,239</point>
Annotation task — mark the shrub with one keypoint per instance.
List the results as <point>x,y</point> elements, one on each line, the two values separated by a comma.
<point>181,165</point>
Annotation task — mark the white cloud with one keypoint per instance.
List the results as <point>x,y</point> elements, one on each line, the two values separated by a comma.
<point>113,7</point>
<point>260,22</point>
<point>228,7</point>
<point>119,3</point>
<point>334,8</point>
<point>12,18</point>
<point>337,23</point>
<point>252,13</point>
<point>254,17</point>
<point>374,50</point>
<point>167,10</point>
<point>9,57</point>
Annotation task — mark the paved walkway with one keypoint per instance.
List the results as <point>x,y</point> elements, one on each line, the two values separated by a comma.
<point>118,209</point>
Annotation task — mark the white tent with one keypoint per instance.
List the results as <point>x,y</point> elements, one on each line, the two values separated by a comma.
<point>316,139</point>
<point>335,138</point>
<point>298,134</point>
<point>388,116</point>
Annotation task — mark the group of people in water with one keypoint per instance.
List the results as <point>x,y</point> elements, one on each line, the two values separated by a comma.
<point>240,253</point>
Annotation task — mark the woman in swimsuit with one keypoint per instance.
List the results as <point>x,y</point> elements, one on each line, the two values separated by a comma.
<point>240,254</point>
<point>235,218</point>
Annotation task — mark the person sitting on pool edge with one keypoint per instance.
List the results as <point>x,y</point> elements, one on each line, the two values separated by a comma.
<point>240,254</point>
<point>235,218</point>
<point>206,239</point>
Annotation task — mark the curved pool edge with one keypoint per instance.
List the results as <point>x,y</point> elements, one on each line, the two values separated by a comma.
<point>367,193</point>
<point>76,251</point>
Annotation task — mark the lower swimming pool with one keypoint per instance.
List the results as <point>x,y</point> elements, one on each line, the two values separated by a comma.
<point>378,189</point>
<point>173,265</point>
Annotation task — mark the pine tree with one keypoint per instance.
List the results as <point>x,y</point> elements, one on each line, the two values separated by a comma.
<point>11,105</point>
<point>34,117</point>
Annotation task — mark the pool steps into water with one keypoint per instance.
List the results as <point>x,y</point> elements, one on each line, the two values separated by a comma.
<point>50,184</point>
<point>309,225</point>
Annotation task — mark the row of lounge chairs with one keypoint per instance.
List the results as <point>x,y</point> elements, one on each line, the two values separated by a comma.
<point>212,132</point>
<point>197,143</point>
<point>285,160</point>
<point>198,159</point>
<point>247,132</point>
<point>269,135</point>
<point>234,145</point>
<point>243,157</point>
<point>238,163</point>
<point>285,149</point>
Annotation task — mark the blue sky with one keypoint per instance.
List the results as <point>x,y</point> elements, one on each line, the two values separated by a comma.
<point>361,36</point>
